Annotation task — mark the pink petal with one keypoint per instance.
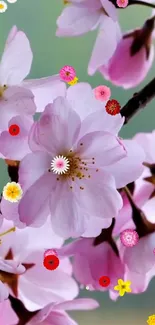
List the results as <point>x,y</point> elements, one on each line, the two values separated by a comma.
<point>103,146</point>
<point>68,220</point>
<point>146,140</point>
<point>8,316</point>
<point>34,205</point>
<point>16,60</point>
<point>95,225</point>
<point>137,262</point>
<point>110,9</point>
<point>42,286</point>
<point>18,101</point>
<point>82,99</point>
<point>76,21</point>
<point>11,35</point>
<point>32,167</point>
<point>10,212</point>
<point>105,45</point>
<point>136,67</point>
<point>45,90</point>
<point>102,121</point>
<point>78,304</point>
<point>133,161</point>
<point>4,293</point>
<point>100,197</point>
<point>59,123</point>
<point>16,147</point>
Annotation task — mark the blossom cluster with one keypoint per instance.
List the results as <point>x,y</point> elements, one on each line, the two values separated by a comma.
<point>72,176</point>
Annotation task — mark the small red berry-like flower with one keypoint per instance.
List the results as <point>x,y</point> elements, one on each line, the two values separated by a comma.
<point>14,129</point>
<point>112,107</point>
<point>67,73</point>
<point>129,237</point>
<point>51,261</point>
<point>104,281</point>
<point>102,93</point>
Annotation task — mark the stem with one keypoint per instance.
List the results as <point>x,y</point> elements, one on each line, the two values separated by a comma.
<point>138,101</point>
<point>143,3</point>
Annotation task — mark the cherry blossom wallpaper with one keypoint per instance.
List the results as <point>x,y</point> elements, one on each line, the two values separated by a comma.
<point>121,286</point>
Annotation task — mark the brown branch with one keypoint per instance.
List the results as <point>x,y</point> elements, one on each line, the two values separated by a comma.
<point>138,101</point>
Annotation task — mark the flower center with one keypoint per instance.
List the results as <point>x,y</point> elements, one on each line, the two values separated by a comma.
<point>60,165</point>
<point>71,166</point>
<point>14,129</point>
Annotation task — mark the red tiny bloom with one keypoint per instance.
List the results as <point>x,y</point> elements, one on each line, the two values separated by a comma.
<point>104,281</point>
<point>112,107</point>
<point>14,129</point>
<point>51,262</point>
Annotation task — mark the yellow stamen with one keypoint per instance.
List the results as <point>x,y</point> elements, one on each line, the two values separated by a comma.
<point>8,231</point>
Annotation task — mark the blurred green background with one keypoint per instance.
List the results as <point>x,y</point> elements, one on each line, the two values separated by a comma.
<point>37,18</point>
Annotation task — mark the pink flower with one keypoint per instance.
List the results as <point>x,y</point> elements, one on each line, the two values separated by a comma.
<point>122,3</point>
<point>102,93</point>
<point>129,237</point>
<point>17,50</point>
<point>55,313</point>
<point>8,316</point>
<point>37,286</point>
<point>81,17</point>
<point>96,261</point>
<point>87,183</point>
<point>67,73</point>
<point>132,58</point>
<point>142,190</point>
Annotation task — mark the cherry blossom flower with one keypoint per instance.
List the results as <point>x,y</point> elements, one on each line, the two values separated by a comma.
<point>81,17</point>
<point>37,286</point>
<point>55,313</point>
<point>17,50</point>
<point>83,180</point>
<point>136,51</point>
<point>94,260</point>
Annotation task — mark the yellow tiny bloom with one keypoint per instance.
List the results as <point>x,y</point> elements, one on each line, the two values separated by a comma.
<point>122,287</point>
<point>73,82</point>
<point>12,192</point>
<point>151,320</point>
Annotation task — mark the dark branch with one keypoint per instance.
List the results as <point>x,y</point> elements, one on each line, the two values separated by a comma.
<point>23,314</point>
<point>138,101</point>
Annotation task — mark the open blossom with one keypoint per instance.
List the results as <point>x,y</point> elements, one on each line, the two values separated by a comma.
<point>132,58</point>
<point>56,313</point>
<point>81,17</point>
<point>37,286</point>
<point>13,71</point>
<point>89,188</point>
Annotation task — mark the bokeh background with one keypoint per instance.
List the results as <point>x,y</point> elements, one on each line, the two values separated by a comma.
<point>37,18</point>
